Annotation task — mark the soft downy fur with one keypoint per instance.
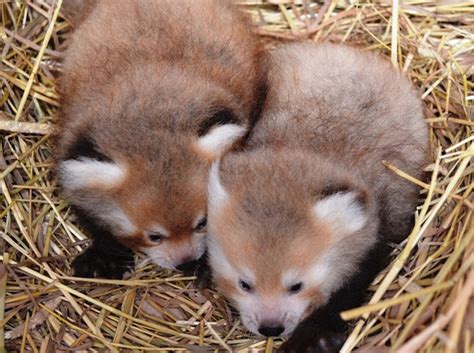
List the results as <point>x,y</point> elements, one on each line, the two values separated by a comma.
<point>152,93</point>
<point>300,221</point>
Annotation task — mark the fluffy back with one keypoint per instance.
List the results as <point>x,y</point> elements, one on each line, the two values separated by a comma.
<point>350,106</point>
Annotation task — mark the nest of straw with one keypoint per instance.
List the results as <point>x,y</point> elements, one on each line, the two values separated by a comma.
<point>422,302</point>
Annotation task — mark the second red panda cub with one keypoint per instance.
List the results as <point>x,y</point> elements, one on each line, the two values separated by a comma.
<point>152,92</point>
<point>300,222</point>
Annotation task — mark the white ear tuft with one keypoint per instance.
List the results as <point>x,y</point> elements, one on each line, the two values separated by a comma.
<point>89,173</point>
<point>342,211</point>
<point>220,138</point>
<point>217,196</point>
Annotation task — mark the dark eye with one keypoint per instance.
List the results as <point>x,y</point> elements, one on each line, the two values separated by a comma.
<point>245,286</point>
<point>295,288</point>
<point>201,224</point>
<point>156,237</point>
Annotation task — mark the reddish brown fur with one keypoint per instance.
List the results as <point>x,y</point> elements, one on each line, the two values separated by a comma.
<point>364,112</point>
<point>153,51</point>
<point>297,147</point>
<point>275,218</point>
<point>140,78</point>
<point>333,114</point>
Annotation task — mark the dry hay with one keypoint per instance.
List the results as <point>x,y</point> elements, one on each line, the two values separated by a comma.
<point>419,304</point>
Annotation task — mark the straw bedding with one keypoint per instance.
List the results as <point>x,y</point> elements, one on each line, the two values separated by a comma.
<point>421,303</point>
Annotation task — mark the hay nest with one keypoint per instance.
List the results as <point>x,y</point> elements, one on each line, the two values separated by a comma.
<point>421,303</point>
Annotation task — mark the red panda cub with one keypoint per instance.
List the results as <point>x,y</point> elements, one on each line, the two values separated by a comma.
<point>300,221</point>
<point>152,92</point>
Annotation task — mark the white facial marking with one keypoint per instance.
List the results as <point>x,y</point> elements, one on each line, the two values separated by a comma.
<point>87,172</point>
<point>169,256</point>
<point>196,222</point>
<point>282,309</point>
<point>197,219</point>
<point>199,244</point>
<point>318,274</point>
<point>290,277</point>
<point>116,217</point>
<point>217,196</point>
<point>342,211</point>
<point>279,309</point>
<point>219,262</point>
<point>315,277</point>
<point>256,310</point>
<point>160,255</point>
<point>156,228</point>
<point>247,275</point>
<point>220,138</point>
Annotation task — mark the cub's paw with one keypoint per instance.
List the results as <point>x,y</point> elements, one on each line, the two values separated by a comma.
<point>98,263</point>
<point>312,341</point>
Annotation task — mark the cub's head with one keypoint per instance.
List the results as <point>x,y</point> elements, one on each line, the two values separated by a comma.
<point>152,194</point>
<point>284,232</point>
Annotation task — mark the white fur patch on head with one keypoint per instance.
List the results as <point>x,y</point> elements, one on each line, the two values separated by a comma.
<point>217,196</point>
<point>343,212</point>
<point>220,138</point>
<point>89,173</point>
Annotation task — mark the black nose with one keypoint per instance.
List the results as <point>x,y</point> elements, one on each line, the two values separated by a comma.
<point>271,330</point>
<point>188,267</point>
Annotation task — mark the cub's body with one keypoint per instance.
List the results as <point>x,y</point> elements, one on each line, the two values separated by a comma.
<point>152,92</point>
<point>300,221</point>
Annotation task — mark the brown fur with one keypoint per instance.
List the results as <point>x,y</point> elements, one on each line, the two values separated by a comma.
<point>164,64</point>
<point>140,79</point>
<point>333,114</point>
<point>352,108</point>
<point>269,212</point>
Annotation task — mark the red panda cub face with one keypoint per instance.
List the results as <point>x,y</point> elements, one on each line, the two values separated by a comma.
<point>157,203</point>
<point>168,217</point>
<point>279,247</point>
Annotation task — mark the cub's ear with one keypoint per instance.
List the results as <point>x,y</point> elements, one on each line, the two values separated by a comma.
<point>217,196</point>
<point>344,211</point>
<point>90,173</point>
<point>219,133</point>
